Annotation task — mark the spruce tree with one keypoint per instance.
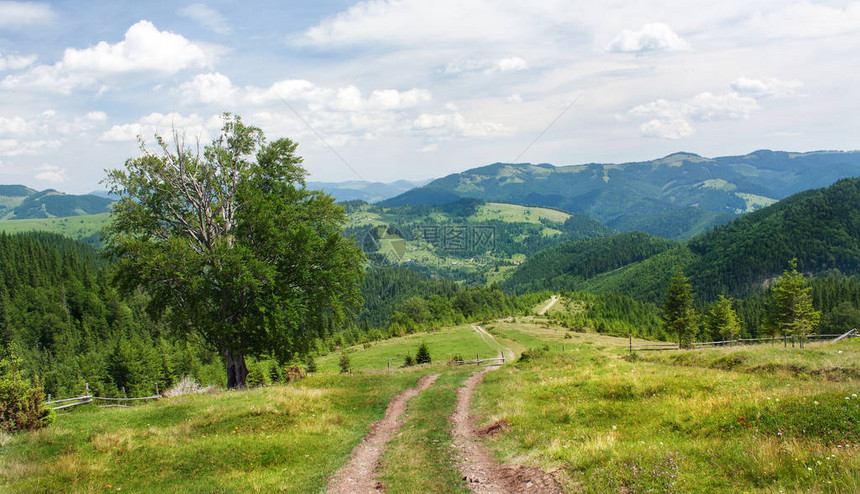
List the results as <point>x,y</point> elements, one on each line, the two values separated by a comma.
<point>423,354</point>
<point>791,312</point>
<point>723,320</point>
<point>678,313</point>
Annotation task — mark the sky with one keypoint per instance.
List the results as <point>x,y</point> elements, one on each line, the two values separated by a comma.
<point>383,90</point>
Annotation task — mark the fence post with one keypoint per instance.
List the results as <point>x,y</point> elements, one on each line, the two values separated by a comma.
<point>156,388</point>
<point>477,359</point>
<point>123,393</point>
<point>87,387</point>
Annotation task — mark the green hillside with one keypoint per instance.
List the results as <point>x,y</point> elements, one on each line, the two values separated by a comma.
<point>677,197</point>
<point>19,202</point>
<point>468,240</point>
<point>85,228</point>
<point>821,228</point>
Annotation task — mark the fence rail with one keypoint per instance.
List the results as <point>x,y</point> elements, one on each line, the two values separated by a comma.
<point>742,341</point>
<point>88,398</point>
<point>480,361</point>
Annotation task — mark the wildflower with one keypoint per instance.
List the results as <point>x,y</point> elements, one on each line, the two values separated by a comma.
<point>816,403</point>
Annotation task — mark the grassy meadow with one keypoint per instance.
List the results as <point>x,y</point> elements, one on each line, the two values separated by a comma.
<point>750,419</point>
<point>77,227</point>
<point>678,421</point>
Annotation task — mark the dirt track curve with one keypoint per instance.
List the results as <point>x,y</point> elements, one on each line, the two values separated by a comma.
<point>358,475</point>
<point>479,469</point>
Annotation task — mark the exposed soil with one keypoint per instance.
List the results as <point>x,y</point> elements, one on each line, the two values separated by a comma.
<point>479,469</point>
<point>358,475</point>
<point>550,304</point>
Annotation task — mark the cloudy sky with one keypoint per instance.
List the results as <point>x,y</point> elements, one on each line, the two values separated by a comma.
<point>383,90</point>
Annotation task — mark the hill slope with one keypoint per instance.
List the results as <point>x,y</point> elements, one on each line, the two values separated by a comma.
<point>820,227</point>
<point>19,202</point>
<point>678,196</point>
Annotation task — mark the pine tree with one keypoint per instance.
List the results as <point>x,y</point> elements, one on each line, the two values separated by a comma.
<point>723,320</point>
<point>423,354</point>
<point>344,363</point>
<point>791,311</point>
<point>678,314</point>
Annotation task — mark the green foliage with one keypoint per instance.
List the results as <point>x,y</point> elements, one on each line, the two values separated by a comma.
<point>568,266</point>
<point>791,312</point>
<point>408,361</point>
<point>843,318</point>
<point>422,356</point>
<point>722,321</point>
<point>22,405</point>
<point>678,313</point>
<point>231,246</point>
<point>344,363</point>
<point>310,364</point>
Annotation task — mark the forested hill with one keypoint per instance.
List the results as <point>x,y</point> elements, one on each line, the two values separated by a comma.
<point>820,227</point>
<point>60,314</point>
<point>19,202</point>
<point>677,197</point>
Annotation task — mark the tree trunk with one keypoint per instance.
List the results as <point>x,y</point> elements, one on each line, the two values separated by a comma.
<point>236,369</point>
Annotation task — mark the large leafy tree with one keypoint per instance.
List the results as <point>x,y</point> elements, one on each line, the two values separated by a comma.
<point>231,246</point>
<point>678,314</point>
<point>791,312</point>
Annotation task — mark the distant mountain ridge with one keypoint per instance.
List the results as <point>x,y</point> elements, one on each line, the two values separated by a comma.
<point>20,202</point>
<point>370,192</point>
<point>678,196</point>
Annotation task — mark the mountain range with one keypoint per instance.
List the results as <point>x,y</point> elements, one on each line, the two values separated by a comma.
<point>20,202</point>
<point>678,196</point>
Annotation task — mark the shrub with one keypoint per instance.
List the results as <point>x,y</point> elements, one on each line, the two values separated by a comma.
<point>311,365</point>
<point>454,359</point>
<point>294,373</point>
<point>408,361</point>
<point>187,386</point>
<point>344,363</point>
<point>22,406</point>
<point>423,354</point>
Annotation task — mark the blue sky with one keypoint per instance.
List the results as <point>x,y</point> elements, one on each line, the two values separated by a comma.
<point>416,89</point>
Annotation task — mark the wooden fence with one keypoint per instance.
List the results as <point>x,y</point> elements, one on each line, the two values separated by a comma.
<point>88,398</point>
<point>482,361</point>
<point>657,347</point>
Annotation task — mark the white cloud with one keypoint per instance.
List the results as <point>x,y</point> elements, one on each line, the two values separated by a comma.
<point>765,88</point>
<point>430,148</point>
<point>208,88</point>
<point>51,173</point>
<point>14,147</point>
<point>13,125</point>
<point>508,64</point>
<point>654,37</point>
<point>805,19</point>
<point>144,49</point>
<point>709,107</point>
<point>393,22</point>
<point>206,17</point>
<point>672,128</point>
<point>671,119</point>
<point>146,127</point>
<point>15,62</point>
<point>18,15</point>
<point>455,124</point>
<point>515,98</point>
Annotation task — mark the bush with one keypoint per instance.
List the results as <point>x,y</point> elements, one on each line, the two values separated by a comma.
<point>423,354</point>
<point>294,373</point>
<point>408,361</point>
<point>311,365</point>
<point>344,363</point>
<point>22,406</point>
<point>187,385</point>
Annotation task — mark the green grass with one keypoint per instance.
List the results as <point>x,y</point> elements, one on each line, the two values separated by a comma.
<point>619,425</point>
<point>419,459</point>
<point>443,344</point>
<point>513,213</point>
<point>281,438</point>
<point>77,227</point>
